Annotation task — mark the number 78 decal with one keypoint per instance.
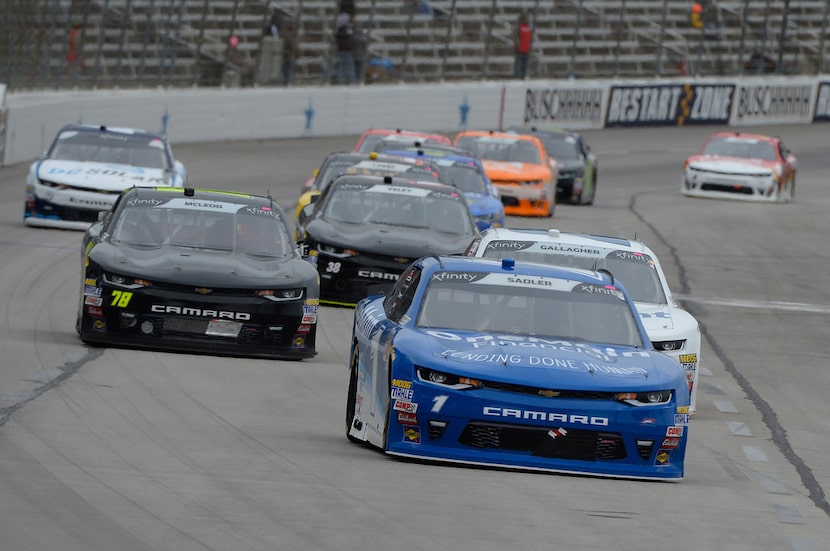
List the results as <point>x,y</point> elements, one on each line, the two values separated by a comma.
<point>121,298</point>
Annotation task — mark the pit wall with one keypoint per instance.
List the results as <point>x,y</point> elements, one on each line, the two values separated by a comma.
<point>30,120</point>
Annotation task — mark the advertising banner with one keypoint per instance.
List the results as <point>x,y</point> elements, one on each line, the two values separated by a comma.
<point>669,104</point>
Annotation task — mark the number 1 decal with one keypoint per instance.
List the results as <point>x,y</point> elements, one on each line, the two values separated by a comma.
<point>438,402</point>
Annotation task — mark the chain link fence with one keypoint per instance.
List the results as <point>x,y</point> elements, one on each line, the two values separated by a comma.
<point>73,44</point>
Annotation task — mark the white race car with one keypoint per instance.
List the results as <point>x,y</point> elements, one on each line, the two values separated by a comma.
<point>87,167</point>
<point>671,329</point>
<point>745,167</point>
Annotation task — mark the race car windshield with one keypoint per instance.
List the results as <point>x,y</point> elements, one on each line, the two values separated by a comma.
<point>146,227</point>
<point>636,272</point>
<point>598,317</point>
<point>111,148</point>
<point>439,213</point>
<point>561,147</point>
<point>743,148</point>
<point>467,178</point>
<point>518,151</point>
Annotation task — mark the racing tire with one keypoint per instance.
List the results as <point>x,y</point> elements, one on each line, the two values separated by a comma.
<point>590,201</point>
<point>351,396</point>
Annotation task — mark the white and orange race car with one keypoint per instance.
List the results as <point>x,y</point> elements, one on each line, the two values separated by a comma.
<point>519,167</point>
<point>746,167</point>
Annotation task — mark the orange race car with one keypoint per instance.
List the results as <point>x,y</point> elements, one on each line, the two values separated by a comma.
<point>367,141</point>
<point>519,166</point>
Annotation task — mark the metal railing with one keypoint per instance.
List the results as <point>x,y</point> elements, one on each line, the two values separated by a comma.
<point>183,43</point>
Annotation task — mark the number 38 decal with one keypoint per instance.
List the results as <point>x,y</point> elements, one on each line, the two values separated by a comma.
<point>333,267</point>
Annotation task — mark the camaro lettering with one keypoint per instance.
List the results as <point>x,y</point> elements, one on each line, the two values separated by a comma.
<point>378,275</point>
<point>199,313</point>
<point>545,416</point>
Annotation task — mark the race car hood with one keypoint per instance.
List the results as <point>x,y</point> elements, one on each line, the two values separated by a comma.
<point>388,240</point>
<point>569,165</point>
<point>655,317</point>
<point>521,172</point>
<point>546,362</point>
<point>476,201</point>
<point>204,268</point>
<point>101,176</point>
<point>731,165</point>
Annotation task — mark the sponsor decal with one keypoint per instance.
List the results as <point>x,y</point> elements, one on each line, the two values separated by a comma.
<point>405,394</point>
<point>136,202</point>
<point>261,211</point>
<point>682,409</point>
<point>670,104</point>
<point>298,342</point>
<point>681,419</point>
<point>469,277</point>
<point>93,301</point>
<point>648,421</point>
<point>369,274</point>
<point>309,318</point>
<point>408,407</point>
<point>563,104</point>
<point>823,102</point>
<point>662,458</point>
<point>309,309</point>
<point>674,431</point>
<point>401,383</point>
<point>199,313</point>
<point>557,433</point>
<point>313,302</point>
<point>544,416</point>
<point>599,290</point>
<point>412,435</point>
<point>687,358</point>
<point>774,103</point>
<point>92,291</point>
<point>95,311</point>
<point>522,343</point>
<point>90,281</point>
<point>368,321</point>
<point>407,418</point>
<point>303,329</point>
<point>670,443</point>
<point>507,246</point>
<point>99,325</point>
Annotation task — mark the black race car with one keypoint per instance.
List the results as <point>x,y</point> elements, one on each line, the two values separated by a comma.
<point>363,231</point>
<point>578,170</point>
<point>203,271</point>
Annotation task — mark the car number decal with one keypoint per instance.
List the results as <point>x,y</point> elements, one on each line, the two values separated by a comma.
<point>121,298</point>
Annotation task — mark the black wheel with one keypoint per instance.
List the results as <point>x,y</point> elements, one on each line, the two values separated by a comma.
<point>593,191</point>
<point>351,398</point>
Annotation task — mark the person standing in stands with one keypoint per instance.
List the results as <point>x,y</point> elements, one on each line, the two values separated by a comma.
<point>523,39</point>
<point>289,52</point>
<point>73,44</point>
<point>344,40</point>
<point>696,15</point>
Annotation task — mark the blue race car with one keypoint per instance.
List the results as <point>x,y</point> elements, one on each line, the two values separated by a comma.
<point>464,171</point>
<point>515,365</point>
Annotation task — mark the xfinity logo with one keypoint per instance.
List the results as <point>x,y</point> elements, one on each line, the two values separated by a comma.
<point>135,202</point>
<point>508,245</point>
<point>199,313</point>
<point>636,257</point>
<point>457,276</point>
<point>545,416</point>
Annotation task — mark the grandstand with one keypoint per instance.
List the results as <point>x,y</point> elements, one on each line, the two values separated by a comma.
<point>130,43</point>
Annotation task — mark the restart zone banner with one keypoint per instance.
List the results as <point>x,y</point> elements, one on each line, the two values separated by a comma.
<point>669,104</point>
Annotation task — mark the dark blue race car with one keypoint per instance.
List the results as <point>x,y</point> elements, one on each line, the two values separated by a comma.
<point>515,365</point>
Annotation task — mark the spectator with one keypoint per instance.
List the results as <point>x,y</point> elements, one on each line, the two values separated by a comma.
<point>696,15</point>
<point>360,50</point>
<point>236,65</point>
<point>348,7</point>
<point>289,52</point>
<point>73,44</point>
<point>344,39</point>
<point>523,39</point>
<point>270,52</point>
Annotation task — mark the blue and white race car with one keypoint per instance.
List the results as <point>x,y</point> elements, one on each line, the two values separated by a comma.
<point>515,365</point>
<point>87,167</point>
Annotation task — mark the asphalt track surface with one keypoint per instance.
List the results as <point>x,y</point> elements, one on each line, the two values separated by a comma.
<point>114,449</point>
